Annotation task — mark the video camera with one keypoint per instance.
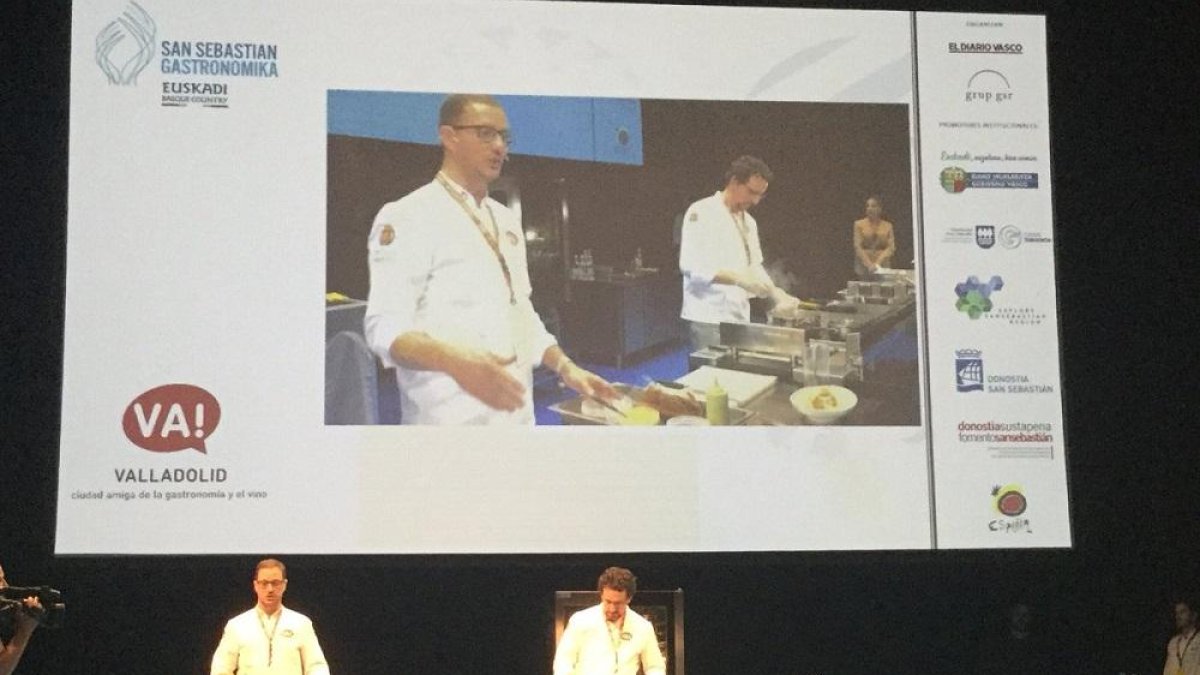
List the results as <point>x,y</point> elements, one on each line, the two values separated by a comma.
<point>50,614</point>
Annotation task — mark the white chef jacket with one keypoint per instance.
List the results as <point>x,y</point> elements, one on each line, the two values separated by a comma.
<point>1183,656</point>
<point>710,241</point>
<point>432,271</point>
<point>592,646</point>
<point>247,647</point>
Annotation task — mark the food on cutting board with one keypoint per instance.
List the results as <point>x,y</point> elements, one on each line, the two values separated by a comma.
<point>670,403</point>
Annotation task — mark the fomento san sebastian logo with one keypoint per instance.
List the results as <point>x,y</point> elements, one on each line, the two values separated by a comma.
<point>125,46</point>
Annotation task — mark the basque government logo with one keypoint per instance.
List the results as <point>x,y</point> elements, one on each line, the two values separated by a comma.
<point>125,46</point>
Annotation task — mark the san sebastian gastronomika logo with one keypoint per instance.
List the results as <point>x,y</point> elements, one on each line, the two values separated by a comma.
<point>125,46</point>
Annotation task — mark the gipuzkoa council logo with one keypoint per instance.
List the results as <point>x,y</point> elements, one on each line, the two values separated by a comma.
<point>985,236</point>
<point>125,46</point>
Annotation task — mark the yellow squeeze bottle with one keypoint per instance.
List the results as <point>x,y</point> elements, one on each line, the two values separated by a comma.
<point>716,404</point>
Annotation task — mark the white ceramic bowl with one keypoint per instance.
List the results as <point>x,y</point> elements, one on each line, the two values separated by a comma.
<point>802,401</point>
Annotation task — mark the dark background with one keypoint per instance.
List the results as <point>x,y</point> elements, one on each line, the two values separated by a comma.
<point>1125,179</point>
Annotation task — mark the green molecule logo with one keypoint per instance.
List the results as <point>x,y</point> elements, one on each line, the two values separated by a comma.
<point>974,297</point>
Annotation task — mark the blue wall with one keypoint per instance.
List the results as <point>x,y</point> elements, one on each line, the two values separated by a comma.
<point>585,129</point>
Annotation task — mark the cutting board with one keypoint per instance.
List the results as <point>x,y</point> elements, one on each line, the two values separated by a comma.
<point>741,387</point>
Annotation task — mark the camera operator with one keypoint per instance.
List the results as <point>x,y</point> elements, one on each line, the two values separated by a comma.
<point>24,623</point>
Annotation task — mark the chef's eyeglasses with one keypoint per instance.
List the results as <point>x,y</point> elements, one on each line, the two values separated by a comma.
<point>487,134</point>
<point>270,583</point>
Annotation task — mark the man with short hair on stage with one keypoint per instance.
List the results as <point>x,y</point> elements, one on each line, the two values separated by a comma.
<point>610,638</point>
<point>449,306</point>
<point>23,625</point>
<point>269,638</point>
<point>1183,650</point>
<point>721,257</point>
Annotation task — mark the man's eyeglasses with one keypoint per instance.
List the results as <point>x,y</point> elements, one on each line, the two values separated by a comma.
<point>270,583</point>
<point>487,134</point>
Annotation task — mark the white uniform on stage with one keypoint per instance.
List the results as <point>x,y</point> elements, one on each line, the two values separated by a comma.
<point>1183,655</point>
<point>255,644</point>
<point>433,272</point>
<point>712,239</point>
<point>591,645</point>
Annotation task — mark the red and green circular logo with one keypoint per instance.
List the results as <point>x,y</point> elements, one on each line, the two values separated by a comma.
<point>1009,500</point>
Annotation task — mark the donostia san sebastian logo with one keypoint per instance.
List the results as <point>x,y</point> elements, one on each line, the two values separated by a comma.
<point>969,376</point>
<point>968,370</point>
<point>125,46</point>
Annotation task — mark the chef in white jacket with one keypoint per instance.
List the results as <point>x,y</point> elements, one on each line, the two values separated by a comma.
<point>269,639</point>
<point>720,255</point>
<point>449,307</point>
<point>610,638</point>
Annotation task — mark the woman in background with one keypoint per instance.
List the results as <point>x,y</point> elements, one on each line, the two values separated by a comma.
<point>874,240</point>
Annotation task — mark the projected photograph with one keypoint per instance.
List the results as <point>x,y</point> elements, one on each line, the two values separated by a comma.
<point>635,262</point>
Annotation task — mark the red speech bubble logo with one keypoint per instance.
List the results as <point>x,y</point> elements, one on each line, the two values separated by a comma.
<point>171,418</point>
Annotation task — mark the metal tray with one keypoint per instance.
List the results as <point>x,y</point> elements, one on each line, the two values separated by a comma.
<point>571,410</point>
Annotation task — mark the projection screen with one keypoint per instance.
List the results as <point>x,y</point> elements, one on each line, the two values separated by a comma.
<point>228,172</point>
